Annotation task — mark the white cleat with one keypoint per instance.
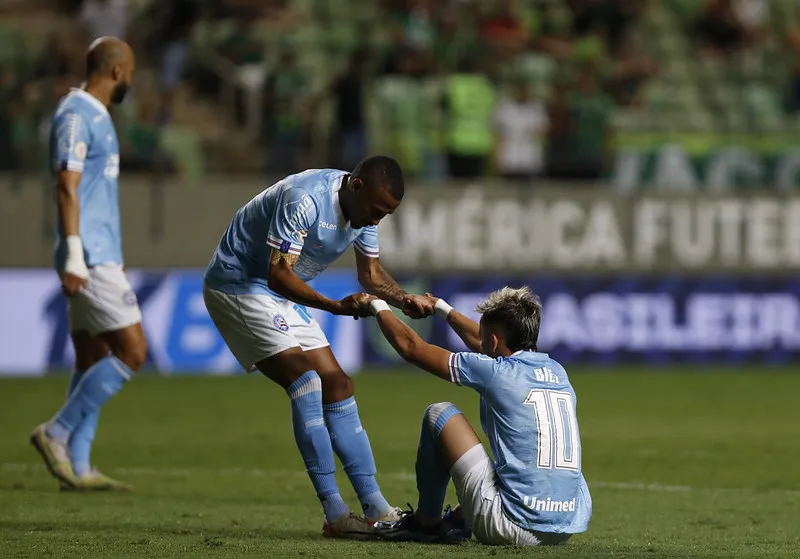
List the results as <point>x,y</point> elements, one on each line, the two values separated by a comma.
<point>55,454</point>
<point>349,526</point>
<point>394,515</point>
<point>94,480</point>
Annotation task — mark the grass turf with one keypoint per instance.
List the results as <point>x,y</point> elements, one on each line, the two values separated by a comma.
<point>679,465</point>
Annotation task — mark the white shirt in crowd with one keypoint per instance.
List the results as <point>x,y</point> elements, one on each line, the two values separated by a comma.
<point>103,18</point>
<point>520,128</point>
<point>752,14</point>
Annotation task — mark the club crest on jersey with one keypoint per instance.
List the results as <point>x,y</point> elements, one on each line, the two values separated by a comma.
<point>285,245</point>
<point>280,323</point>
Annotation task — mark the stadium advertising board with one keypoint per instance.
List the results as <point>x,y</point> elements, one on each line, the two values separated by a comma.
<point>562,229</point>
<point>739,165</point>
<point>180,333</point>
<point>636,319</point>
<point>589,320</point>
<point>589,231</point>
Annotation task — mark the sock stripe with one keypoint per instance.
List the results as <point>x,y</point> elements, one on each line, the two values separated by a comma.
<point>439,414</point>
<point>121,368</point>
<point>315,423</point>
<point>308,383</point>
<point>342,407</point>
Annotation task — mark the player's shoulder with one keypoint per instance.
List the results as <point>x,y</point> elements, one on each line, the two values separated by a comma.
<point>473,360</point>
<point>316,182</point>
<point>78,104</point>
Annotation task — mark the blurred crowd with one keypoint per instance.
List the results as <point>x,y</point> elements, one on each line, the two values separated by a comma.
<point>452,88</point>
<point>459,88</point>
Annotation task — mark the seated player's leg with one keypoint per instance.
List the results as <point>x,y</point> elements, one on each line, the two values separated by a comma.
<point>259,336</point>
<point>472,471</point>
<point>106,308</point>
<point>350,440</point>
<point>445,436</point>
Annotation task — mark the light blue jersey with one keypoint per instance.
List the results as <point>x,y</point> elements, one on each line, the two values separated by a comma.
<point>298,215</point>
<point>83,139</point>
<point>528,414</point>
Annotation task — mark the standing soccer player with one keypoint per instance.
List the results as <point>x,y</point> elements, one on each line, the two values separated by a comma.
<point>533,492</point>
<point>105,321</point>
<point>256,292</point>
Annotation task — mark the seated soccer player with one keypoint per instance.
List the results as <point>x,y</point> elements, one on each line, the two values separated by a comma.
<point>533,491</point>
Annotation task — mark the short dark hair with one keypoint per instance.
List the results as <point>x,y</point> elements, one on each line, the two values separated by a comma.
<point>517,312</point>
<point>382,171</point>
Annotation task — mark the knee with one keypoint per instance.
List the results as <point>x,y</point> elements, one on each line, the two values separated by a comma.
<point>85,362</point>
<point>436,415</point>
<point>134,354</point>
<point>336,387</point>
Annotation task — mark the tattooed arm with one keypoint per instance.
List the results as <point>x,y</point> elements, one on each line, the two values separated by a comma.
<point>377,281</point>
<point>283,281</point>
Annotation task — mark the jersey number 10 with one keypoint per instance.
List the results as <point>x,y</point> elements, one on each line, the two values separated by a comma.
<point>558,429</point>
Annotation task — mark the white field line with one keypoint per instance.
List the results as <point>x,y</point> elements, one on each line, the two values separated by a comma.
<point>23,467</point>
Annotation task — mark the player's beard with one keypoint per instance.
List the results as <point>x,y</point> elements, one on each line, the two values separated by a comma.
<point>119,92</point>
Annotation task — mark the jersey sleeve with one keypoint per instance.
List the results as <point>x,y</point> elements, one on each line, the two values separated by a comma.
<point>295,213</point>
<point>471,369</point>
<point>367,242</point>
<point>71,142</point>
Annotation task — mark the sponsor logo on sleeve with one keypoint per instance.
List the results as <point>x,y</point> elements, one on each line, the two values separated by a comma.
<point>80,150</point>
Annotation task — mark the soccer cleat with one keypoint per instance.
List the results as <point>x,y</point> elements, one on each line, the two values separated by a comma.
<point>349,526</point>
<point>394,514</point>
<point>55,454</point>
<point>452,529</point>
<point>454,526</point>
<point>94,480</point>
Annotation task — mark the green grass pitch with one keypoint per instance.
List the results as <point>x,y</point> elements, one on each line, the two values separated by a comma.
<point>695,464</point>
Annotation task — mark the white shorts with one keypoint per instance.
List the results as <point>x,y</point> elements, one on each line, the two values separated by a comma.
<point>476,486</point>
<point>257,326</point>
<point>107,303</point>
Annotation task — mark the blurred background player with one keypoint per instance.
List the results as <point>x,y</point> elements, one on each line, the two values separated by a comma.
<point>256,292</point>
<point>105,321</point>
<point>533,493</point>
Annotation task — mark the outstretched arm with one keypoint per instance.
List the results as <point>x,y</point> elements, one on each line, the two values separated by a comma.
<point>377,281</point>
<point>283,281</point>
<point>409,345</point>
<point>467,329</point>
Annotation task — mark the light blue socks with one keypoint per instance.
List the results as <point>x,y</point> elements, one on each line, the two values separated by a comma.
<point>352,446</point>
<point>314,442</point>
<point>433,472</point>
<point>95,387</point>
<point>80,442</point>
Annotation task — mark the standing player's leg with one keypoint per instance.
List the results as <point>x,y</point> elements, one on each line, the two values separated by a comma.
<point>350,441</point>
<point>294,373</point>
<point>88,351</point>
<point>106,308</point>
<point>259,336</point>
<point>96,386</point>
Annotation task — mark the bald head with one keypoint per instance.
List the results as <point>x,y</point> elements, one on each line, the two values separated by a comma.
<point>111,60</point>
<point>105,53</point>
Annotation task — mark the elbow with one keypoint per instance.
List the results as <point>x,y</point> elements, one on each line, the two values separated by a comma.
<point>407,348</point>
